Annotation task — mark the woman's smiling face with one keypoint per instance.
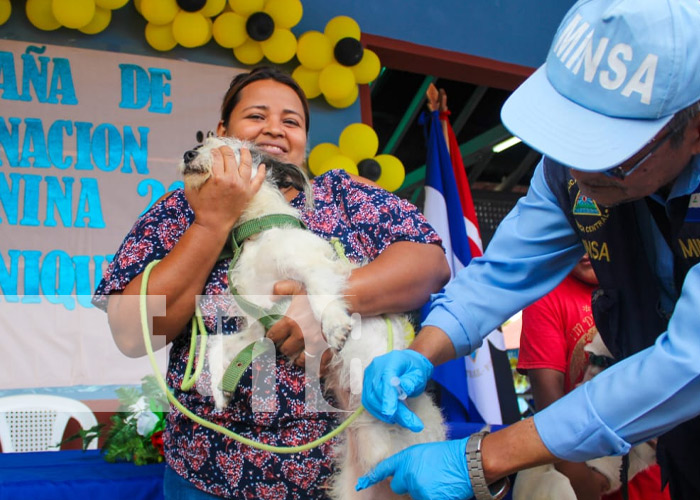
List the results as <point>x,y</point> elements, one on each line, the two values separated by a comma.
<point>271,115</point>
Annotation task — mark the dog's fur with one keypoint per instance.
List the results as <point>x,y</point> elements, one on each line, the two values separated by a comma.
<point>546,483</point>
<point>294,253</point>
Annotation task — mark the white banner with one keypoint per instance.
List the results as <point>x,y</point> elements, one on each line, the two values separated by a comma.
<point>88,140</point>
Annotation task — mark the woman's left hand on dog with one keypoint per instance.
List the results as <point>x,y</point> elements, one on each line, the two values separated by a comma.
<point>299,332</point>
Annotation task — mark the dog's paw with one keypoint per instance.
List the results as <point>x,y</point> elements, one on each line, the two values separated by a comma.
<point>218,360</point>
<point>336,324</point>
<point>221,399</point>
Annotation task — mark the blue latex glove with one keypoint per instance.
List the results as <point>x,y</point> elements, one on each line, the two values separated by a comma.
<point>431,471</point>
<point>381,398</point>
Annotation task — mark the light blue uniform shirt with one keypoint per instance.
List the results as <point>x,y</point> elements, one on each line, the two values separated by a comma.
<point>636,399</point>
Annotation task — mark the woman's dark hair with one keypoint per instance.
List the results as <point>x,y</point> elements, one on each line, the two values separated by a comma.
<point>239,82</point>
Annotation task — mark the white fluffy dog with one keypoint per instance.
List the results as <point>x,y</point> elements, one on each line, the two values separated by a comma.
<point>291,252</point>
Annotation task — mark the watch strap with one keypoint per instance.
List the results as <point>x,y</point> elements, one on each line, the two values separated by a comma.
<point>475,468</point>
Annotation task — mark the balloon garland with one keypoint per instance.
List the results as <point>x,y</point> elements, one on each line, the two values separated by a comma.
<point>5,11</point>
<point>184,22</point>
<point>259,28</point>
<point>334,62</point>
<point>87,16</point>
<point>356,153</point>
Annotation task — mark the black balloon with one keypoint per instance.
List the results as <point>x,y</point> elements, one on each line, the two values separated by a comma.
<point>260,26</point>
<point>348,51</point>
<point>191,5</point>
<point>369,168</point>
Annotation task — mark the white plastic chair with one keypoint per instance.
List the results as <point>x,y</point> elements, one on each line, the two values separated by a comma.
<point>35,422</point>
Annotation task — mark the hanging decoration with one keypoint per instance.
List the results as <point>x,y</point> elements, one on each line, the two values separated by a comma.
<point>184,22</point>
<point>334,62</point>
<point>87,16</point>
<point>5,11</point>
<point>259,28</point>
<point>356,153</point>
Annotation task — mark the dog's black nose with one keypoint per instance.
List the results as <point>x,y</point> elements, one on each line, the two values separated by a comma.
<point>189,155</point>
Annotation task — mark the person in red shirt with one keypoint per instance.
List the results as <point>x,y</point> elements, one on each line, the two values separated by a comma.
<point>555,331</point>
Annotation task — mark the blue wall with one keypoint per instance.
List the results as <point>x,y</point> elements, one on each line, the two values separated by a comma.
<point>513,31</point>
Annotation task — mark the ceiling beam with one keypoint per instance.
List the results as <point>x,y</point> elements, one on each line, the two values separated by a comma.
<point>469,108</point>
<point>408,117</point>
<point>523,167</point>
<point>470,148</point>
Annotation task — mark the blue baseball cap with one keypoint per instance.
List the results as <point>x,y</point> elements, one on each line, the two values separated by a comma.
<point>616,73</point>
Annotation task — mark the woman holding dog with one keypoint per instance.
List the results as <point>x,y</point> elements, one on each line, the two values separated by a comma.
<point>188,230</point>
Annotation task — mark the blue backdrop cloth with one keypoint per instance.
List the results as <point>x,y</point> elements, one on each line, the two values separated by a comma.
<point>77,475</point>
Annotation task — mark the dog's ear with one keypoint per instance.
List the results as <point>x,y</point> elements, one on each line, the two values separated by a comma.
<point>284,175</point>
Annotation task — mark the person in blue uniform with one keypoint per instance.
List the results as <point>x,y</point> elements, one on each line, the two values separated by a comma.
<point>615,112</point>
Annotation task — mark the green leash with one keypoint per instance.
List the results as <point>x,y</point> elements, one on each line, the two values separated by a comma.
<point>188,381</point>
<point>267,317</point>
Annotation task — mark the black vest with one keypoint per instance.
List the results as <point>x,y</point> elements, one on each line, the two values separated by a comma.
<point>626,307</point>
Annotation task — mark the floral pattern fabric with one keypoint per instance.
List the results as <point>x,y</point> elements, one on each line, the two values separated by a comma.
<point>366,220</point>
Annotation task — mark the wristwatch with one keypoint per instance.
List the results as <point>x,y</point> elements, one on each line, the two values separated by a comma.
<point>475,466</point>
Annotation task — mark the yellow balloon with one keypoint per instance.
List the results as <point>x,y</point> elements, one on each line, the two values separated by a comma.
<point>137,6</point>
<point>246,7</point>
<point>393,172</point>
<point>159,11</point>
<point>111,4</point>
<point>213,8</point>
<point>358,141</point>
<point>308,81</point>
<point>191,29</point>
<point>99,22</point>
<point>342,27</point>
<point>160,36</point>
<point>285,13</point>
<point>5,11</point>
<point>320,154</point>
<point>368,68</point>
<point>314,50</point>
<point>280,47</point>
<point>339,162</point>
<point>73,13</point>
<point>249,52</point>
<point>337,82</point>
<point>229,30</point>
<point>40,14</point>
<point>345,101</point>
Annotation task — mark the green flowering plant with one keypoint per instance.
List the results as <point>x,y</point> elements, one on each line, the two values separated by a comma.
<point>136,434</point>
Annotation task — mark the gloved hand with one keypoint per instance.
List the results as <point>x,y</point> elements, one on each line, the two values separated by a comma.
<point>381,398</point>
<point>431,471</point>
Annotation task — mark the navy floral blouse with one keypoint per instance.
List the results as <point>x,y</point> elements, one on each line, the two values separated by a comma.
<point>366,220</point>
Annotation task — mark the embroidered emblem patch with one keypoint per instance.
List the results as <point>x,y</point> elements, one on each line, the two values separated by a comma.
<point>693,213</point>
<point>585,206</point>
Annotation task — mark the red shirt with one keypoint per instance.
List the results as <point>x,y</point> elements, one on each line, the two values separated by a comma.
<point>556,328</point>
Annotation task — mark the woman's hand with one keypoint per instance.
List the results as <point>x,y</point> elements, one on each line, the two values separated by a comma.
<point>223,197</point>
<point>298,335</point>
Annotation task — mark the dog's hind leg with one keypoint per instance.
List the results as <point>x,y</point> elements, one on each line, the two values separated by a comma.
<point>349,470</point>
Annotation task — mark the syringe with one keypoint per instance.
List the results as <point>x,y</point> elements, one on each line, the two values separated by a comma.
<point>396,382</point>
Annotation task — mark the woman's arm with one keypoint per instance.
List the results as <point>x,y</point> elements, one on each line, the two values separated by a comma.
<point>400,279</point>
<point>182,274</point>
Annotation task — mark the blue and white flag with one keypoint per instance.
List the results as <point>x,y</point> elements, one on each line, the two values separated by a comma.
<point>470,383</point>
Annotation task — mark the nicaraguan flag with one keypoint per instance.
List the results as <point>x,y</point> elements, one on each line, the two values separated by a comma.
<point>470,390</point>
